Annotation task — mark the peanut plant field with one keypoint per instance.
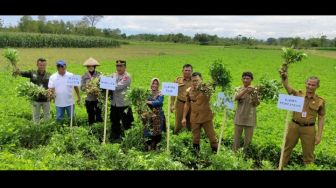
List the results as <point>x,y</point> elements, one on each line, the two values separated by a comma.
<point>25,145</point>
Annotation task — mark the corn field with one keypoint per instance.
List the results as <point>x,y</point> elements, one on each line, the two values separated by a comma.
<point>34,40</point>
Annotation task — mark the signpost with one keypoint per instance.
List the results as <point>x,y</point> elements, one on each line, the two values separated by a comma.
<point>73,80</point>
<point>289,103</point>
<point>222,100</point>
<point>107,83</point>
<point>170,89</point>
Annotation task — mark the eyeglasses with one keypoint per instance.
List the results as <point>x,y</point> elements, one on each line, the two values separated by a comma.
<point>119,65</point>
<point>60,66</point>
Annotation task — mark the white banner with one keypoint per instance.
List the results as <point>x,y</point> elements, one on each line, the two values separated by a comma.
<point>170,89</point>
<point>291,103</point>
<point>107,83</point>
<point>222,100</point>
<point>73,80</point>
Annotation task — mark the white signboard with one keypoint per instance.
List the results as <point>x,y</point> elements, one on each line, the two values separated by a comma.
<point>74,80</point>
<point>222,100</point>
<point>291,103</point>
<point>107,83</point>
<point>170,89</point>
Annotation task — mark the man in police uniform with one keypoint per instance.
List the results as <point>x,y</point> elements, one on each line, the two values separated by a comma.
<point>120,108</point>
<point>201,115</point>
<point>41,78</point>
<point>302,124</point>
<point>184,82</point>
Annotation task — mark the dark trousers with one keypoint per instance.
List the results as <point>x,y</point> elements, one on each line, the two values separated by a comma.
<point>123,114</point>
<point>153,141</point>
<point>94,112</point>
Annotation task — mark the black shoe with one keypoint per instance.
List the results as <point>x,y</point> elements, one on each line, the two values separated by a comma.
<point>214,149</point>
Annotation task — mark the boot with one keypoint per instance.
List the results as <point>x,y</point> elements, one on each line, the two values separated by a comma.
<point>214,149</point>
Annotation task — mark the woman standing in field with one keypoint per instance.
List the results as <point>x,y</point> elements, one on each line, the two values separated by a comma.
<point>155,120</point>
<point>91,102</point>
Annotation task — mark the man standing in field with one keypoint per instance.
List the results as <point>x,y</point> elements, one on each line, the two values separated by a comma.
<point>246,116</point>
<point>184,82</point>
<point>198,103</point>
<point>41,78</point>
<point>58,85</point>
<point>120,108</point>
<point>303,123</point>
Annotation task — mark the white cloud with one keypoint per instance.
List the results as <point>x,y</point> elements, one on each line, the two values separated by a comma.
<point>260,27</point>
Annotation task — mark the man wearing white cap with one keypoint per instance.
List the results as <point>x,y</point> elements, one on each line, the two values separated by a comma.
<point>91,102</point>
<point>58,85</point>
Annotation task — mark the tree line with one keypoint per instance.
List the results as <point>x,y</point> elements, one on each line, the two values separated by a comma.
<point>86,27</point>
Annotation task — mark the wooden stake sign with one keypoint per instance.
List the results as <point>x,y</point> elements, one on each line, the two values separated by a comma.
<point>107,83</point>
<point>73,80</point>
<point>290,103</point>
<point>169,89</point>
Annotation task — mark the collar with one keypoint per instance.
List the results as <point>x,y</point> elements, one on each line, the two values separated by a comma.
<point>66,72</point>
<point>40,73</point>
<point>186,79</point>
<point>312,97</point>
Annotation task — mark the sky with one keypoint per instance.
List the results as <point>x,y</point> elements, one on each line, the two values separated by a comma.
<point>259,27</point>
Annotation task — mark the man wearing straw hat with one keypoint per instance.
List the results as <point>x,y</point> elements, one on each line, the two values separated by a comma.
<point>91,101</point>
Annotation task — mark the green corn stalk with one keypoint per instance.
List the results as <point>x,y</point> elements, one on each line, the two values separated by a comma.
<point>12,56</point>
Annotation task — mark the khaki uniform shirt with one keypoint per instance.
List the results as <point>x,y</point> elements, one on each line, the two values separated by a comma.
<point>246,110</point>
<point>183,85</point>
<point>313,106</point>
<point>199,106</point>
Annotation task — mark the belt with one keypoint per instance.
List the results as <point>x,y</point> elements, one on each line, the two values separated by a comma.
<point>181,100</point>
<point>303,124</point>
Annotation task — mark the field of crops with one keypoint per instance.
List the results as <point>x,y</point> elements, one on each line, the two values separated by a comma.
<point>35,40</point>
<point>24,145</point>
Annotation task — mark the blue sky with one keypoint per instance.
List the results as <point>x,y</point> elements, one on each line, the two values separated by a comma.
<point>260,27</point>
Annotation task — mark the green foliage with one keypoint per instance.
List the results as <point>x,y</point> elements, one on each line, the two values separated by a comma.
<point>268,90</point>
<point>137,96</point>
<point>134,137</point>
<point>292,56</point>
<point>36,134</point>
<point>32,40</point>
<point>220,75</point>
<point>31,91</point>
<point>227,160</point>
<point>12,56</point>
<point>75,140</point>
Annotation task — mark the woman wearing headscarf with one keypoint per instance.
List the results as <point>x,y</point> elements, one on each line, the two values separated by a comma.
<point>157,121</point>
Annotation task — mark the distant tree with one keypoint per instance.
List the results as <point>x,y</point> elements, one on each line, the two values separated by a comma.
<point>92,20</point>
<point>1,23</point>
<point>271,41</point>
<point>323,40</point>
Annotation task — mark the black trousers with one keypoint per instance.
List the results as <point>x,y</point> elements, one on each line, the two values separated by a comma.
<point>94,112</point>
<point>153,141</point>
<point>123,114</point>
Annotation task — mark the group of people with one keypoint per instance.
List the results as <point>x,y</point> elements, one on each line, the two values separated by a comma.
<point>191,106</point>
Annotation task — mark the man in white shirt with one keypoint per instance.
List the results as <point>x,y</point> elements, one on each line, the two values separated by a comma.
<point>58,85</point>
